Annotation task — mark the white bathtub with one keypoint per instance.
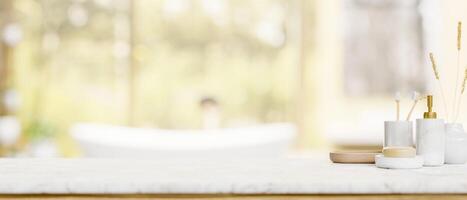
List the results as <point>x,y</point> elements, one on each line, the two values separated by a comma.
<point>98,140</point>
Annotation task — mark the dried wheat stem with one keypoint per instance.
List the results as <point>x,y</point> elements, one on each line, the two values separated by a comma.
<point>444,100</point>
<point>459,37</point>
<point>456,86</point>
<point>463,82</point>
<point>462,92</point>
<point>436,73</point>
<point>433,64</point>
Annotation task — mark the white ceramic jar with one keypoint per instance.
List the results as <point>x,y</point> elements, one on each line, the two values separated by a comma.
<point>398,133</point>
<point>456,144</point>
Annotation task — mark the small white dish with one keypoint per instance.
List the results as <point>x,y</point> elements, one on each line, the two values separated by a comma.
<point>398,163</point>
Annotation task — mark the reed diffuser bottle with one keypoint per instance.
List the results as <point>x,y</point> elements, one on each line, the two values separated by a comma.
<point>431,137</point>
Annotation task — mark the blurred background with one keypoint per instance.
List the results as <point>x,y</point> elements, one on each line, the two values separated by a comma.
<point>80,77</point>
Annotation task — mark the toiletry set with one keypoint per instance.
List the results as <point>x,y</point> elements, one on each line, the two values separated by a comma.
<point>398,151</point>
<point>436,143</point>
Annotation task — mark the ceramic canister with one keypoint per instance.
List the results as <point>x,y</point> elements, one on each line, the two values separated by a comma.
<point>456,144</point>
<point>431,141</point>
<point>398,133</point>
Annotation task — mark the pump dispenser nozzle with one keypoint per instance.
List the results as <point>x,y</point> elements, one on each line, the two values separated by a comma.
<point>429,103</point>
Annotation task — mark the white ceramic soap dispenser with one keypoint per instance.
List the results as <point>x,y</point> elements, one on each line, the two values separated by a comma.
<point>456,144</point>
<point>431,137</point>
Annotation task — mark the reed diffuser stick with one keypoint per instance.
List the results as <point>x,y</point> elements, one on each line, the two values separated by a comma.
<point>436,73</point>
<point>398,99</point>
<point>415,98</point>
<point>459,37</point>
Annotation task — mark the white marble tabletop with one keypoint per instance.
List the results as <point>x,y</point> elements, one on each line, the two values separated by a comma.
<point>194,176</point>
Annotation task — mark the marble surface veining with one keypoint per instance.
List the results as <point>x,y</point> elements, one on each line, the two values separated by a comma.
<point>246,176</point>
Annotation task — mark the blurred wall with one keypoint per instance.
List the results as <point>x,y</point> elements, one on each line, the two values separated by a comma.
<point>359,120</point>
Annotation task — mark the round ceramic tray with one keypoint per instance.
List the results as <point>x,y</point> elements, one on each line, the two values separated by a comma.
<point>353,156</point>
<point>399,163</point>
